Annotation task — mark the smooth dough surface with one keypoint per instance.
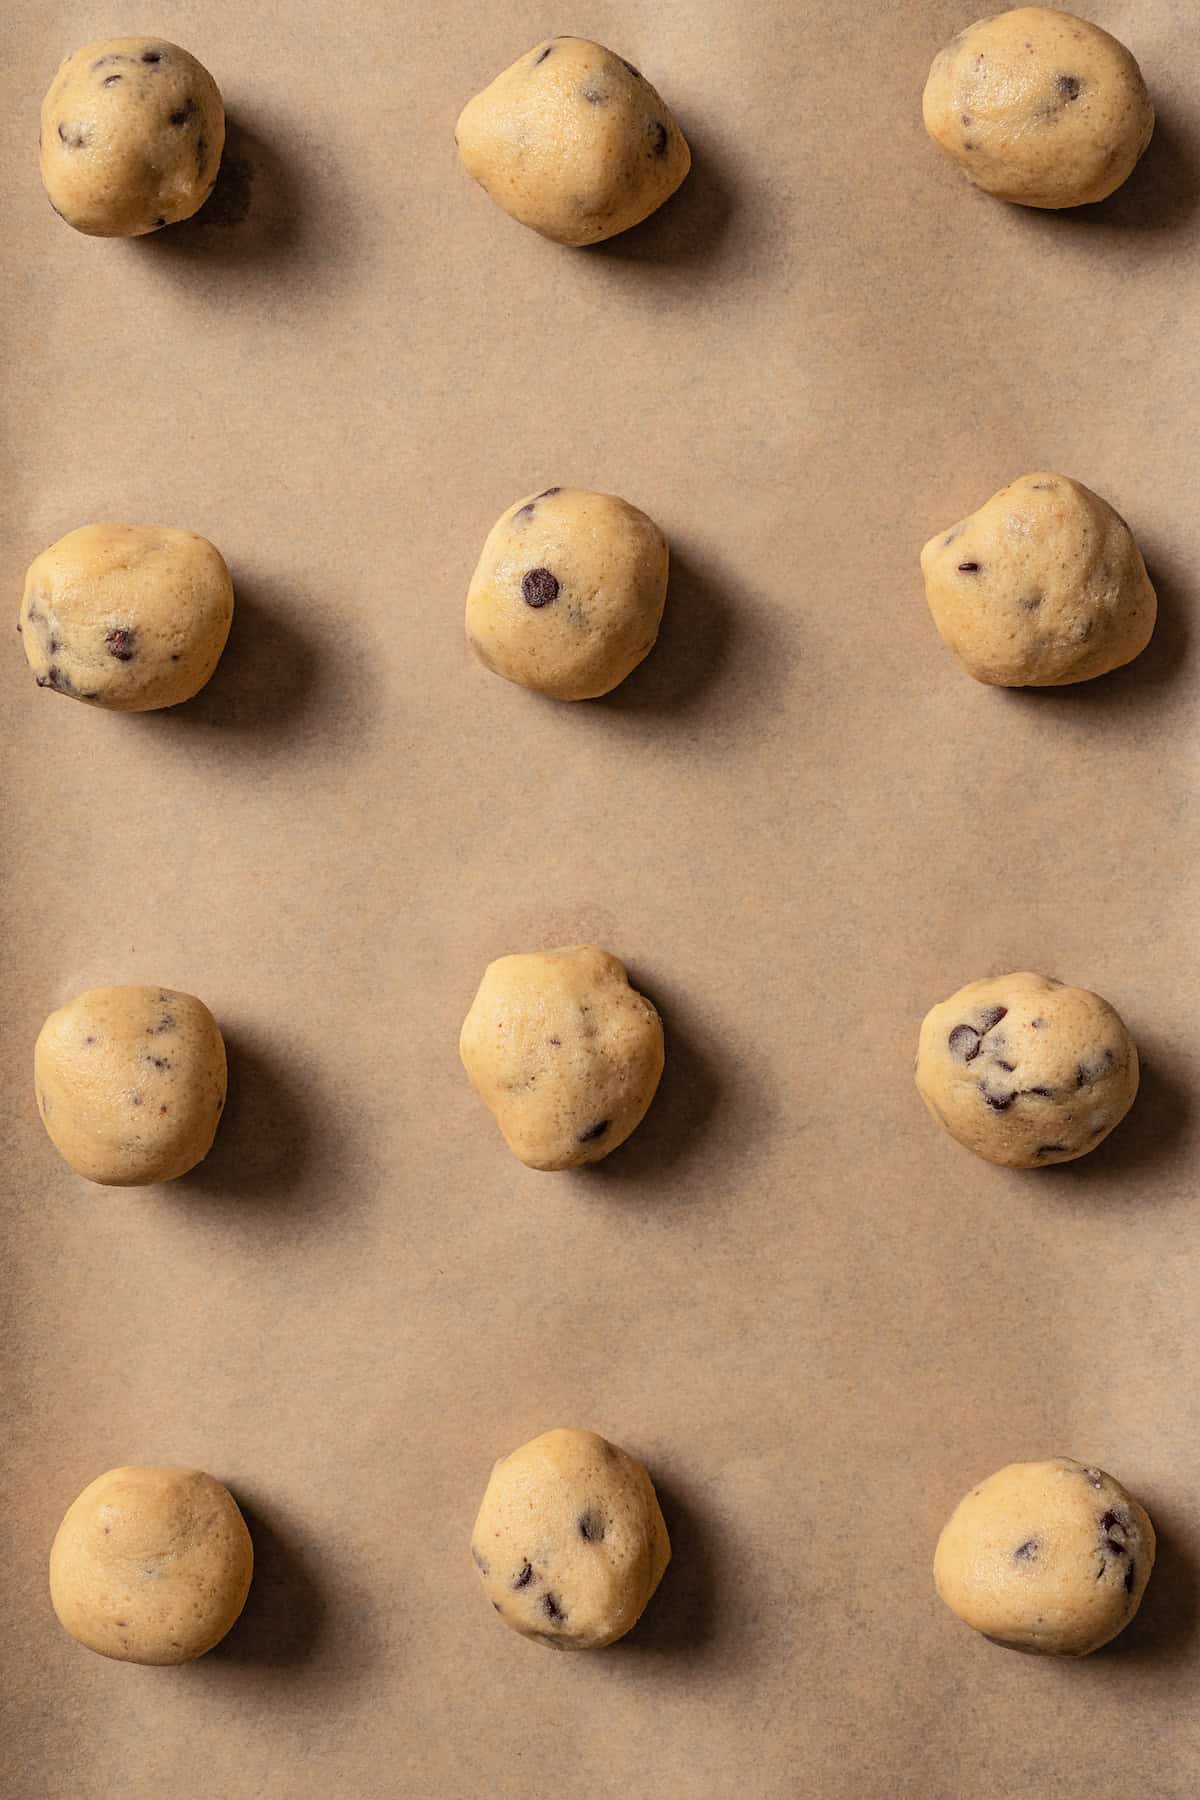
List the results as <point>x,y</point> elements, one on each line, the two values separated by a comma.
<point>1039,107</point>
<point>130,1083</point>
<point>573,141</point>
<point>1042,587</point>
<point>566,1055</point>
<point>1026,1071</point>
<point>1051,1557</point>
<point>131,139</point>
<point>130,617</point>
<point>568,594</point>
<point>151,1565</point>
<point>570,1542</point>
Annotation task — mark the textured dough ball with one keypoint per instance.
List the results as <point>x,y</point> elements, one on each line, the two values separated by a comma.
<point>568,594</point>
<point>564,1053</point>
<point>1051,1557</point>
<point>1039,107</point>
<point>573,141</point>
<point>1041,587</point>
<point>131,617</point>
<point>570,1542</point>
<point>130,1083</point>
<point>132,134</point>
<point>1025,1071</point>
<point>151,1565</point>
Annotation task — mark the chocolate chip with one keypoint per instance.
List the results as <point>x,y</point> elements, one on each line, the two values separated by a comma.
<point>991,1017</point>
<point>89,1039</point>
<point>551,1608</point>
<point>555,1041</point>
<point>539,587</point>
<point>658,137</point>
<point>1051,1150</point>
<point>631,69</point>
<point>542,55</point>
<point>183,113</point>
<point>591,1527</point>
<point>1130,1576</point>
<point>546,493</point>
<point>968,568</point>
<point>524,512</point>
<point>151,56</point>
<point>1026,1552</point>
<point>159,1062</point>
<point>1115,1527</point>
<point>1068,86</point>
<point>1008,1068</point>
<point>120,642</point>
<point>1081,1076</point>
<point>964,1043</point>
<point>593,96</point>
<point>159,223</point>
<point>525,1576</point>
<point>53,646</point>
<point>496,1605</point>
<point>74,139</point>
<point>997,1102</point>
<point>594,1131</point>
<point>109,79</point>
<point>56,679</point>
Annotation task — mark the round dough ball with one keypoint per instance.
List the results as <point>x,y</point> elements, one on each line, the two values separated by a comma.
<point>132,134</point>
<point>1039,107</point>
<point>1025,1071</point>
<point>568,594</point>
<point>1050,1556</point>
<point>573,141</point>
<point>130,1083</point>
<point>131,617</point>
<point>570,1541</point>
<point>564,1053</point>
<point>151,1565</point>
<point>1043,586</point>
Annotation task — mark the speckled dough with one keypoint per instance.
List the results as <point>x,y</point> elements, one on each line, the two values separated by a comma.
<point>1043,586</point>
<point>570,1542</point>
<point>568,594</point>
<point>1025,1071</point>
<point>573,141</point>
<point>130,1083</point>
<point>1039,107</point>
<point>130,617</point>
<point>132,134</point>
<point>564,1052</point>
<point>151,1565</point>
<point>1051,1557</point>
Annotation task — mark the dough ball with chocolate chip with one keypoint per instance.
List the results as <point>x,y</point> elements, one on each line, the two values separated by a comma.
<point>132,134</point>
<point>573,141</point>
<point>568,594</point>
<point>130,1083</point>
<point>1043,586</point>
<point>1039,107</point>
<point>570,1543</point>
<point>151,1565</point>
<point>1025,1071</point>
<point>1051,1557</point>
<point>565,1054</point>
<point>131,617</point>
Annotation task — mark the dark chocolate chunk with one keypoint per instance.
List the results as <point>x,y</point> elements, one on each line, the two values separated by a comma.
<point>159,223</point>
<point>539,587</point>
<point>997,1102</point>
<point>525,1576</point>
<point>991,1017</point>
<point>964,1043</point>
<point>1026,1552</point>
<point>151,56</point>
<point>631,68</point>
<point>1008,1068</point>
<point>182,114</point>
<point>594,1131</point>
<point>109,79</point>
<point>1068,86</point>
<point>591,1527</point>
<point>546,493</point>
<point>658,137</point>
<point>120,642</point>
<point>555,1041</point>
<point>1045,1093</point>
<point>1115,1527</point>
<point>1130,1576</point>
<point>542,55</point>
<point>968,568</point>
<point>551,1608</point>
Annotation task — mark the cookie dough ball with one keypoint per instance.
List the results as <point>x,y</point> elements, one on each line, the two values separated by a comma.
<point>151,1565</point>
<point>564,1053</point>
<point>130,1083</point>
<point>1025,1071</point>
<point>132,134</point>
<point>131,617</point>
<point>573,141</point>
<point>568,594</point>
<point>1043,586</point>
<point>570,1542</point>
<point>1051,1557</point>
<point>1039,107</point>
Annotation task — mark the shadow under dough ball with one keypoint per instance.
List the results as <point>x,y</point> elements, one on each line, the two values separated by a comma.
<point>573,141</point>
<point>130,1083</point>
<point>568,593</point>
<point>570,1541</point>
<point>151,1565</point>
<point>1051,1557</point>
<point>1042,587</point>
<point>563,1052</point>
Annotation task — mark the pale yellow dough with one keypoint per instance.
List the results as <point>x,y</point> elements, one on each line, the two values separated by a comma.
<point>570,1542</point>
<point>564,1052</point>
<point>1039,107</point>
<point>573,141</point>
<point>131,138</point>
<point>151,1565</point>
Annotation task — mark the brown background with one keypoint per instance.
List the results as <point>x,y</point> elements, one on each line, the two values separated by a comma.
<point>815,1317</point>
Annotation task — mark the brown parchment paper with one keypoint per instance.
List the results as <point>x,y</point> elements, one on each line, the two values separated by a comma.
<point>815,1317</point>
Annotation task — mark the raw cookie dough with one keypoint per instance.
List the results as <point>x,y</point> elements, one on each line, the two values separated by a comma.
<point>1039,107</point>
<point>1041,587</point>
<point>568,594</point>
<point>151,1565</point>
<point>132,134</point>
<point>564,1052</point>
<point>130,1083</point>
<point>1051,1557</point>
<point>570,1542</point>
<point>573,141</point>
<point>1025,1071</point>
<point>131,617</point>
